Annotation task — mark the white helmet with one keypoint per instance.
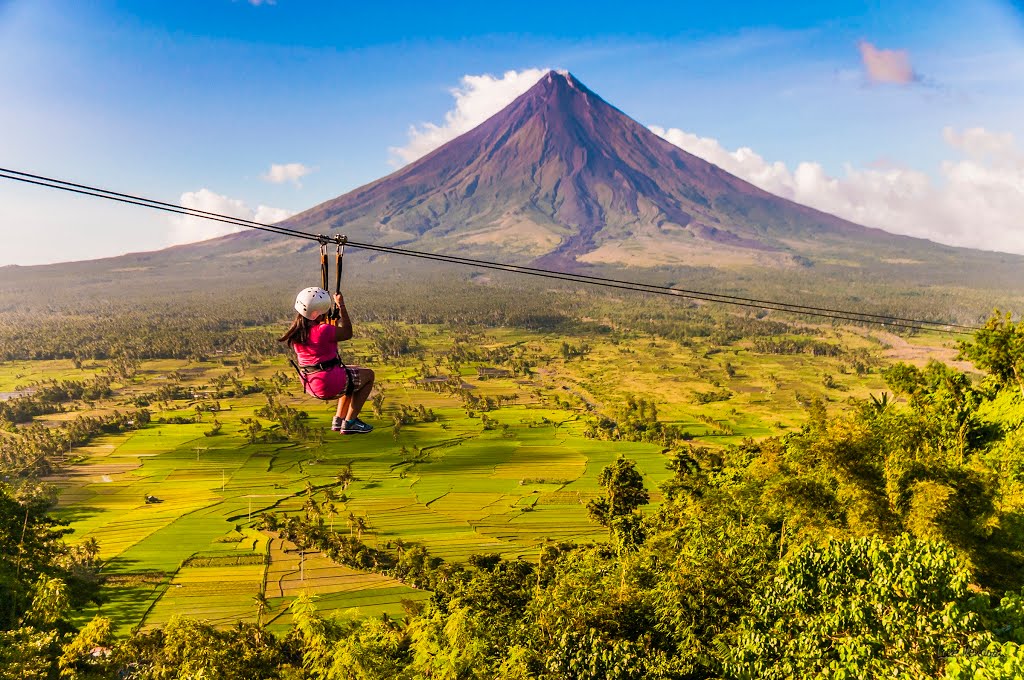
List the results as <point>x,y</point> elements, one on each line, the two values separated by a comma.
<point>313,302</point>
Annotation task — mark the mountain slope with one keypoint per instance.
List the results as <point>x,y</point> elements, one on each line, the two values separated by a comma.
<point>563,176</point>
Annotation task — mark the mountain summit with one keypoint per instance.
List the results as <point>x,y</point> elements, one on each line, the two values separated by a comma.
<point>561,176</point>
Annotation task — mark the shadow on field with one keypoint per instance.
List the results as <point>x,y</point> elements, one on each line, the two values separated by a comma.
<point>461,460</point>
<point>121,565</point>
<point>77,513</point>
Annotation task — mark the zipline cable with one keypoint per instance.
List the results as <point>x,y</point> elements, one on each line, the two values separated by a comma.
<point>631,286</point>
<point>836,314</point>
<point>778,306</point>
<point>912,324</point>
<point>150,203</point>
<point>577,278</point>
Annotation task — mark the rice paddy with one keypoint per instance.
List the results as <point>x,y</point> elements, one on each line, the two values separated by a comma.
<point>175,511</point>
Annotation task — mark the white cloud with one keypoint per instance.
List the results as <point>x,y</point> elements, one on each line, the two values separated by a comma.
<point>280,173</point>
<point>266,214</point>
<point>477,98</point>
<point>191,229</point>
<point>978,202</point>
<point>980,143</point>
<point>886,66</point>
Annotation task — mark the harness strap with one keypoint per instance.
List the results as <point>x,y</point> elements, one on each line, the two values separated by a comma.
<point>339,262</point>
<point>324,274</point>
<point>350,376</point>
<point>302,376</point>
<point>322,366</point>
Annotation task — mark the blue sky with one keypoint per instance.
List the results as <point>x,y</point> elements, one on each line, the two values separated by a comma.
<point>175,98</point>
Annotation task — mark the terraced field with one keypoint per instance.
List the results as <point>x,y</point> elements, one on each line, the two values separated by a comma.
<point>175,511</point>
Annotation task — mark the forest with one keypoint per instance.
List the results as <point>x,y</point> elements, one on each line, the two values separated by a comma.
<point>875,530</point>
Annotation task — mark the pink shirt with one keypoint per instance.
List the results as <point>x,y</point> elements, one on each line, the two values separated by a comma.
<point>322,345</point>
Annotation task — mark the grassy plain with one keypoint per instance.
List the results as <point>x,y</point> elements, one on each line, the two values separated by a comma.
<point>502,480</point>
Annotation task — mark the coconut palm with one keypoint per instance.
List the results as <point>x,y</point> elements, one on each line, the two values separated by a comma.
<point>312,510</point>
<point>331,511</point>
<point>345,477</point>
<point>261,606</point>
<point>880,404</point>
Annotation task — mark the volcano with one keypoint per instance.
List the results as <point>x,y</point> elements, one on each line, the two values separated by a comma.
<point>562,178</point>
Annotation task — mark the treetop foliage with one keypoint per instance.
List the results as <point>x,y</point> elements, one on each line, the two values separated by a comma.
<point>883,541</point>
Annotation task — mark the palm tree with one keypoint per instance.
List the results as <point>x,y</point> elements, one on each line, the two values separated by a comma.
<point>312,509</point>
<point>377,402</point>
<point>262,604</point>
<point>880,405</point>
<point>360,527</point>
<point>331,511</point>
<point>345,477</point>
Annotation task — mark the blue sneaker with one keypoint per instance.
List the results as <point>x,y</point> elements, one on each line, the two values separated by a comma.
<point>356,426</point>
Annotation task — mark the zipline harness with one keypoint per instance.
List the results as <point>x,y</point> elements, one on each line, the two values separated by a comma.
<point>331,317</point>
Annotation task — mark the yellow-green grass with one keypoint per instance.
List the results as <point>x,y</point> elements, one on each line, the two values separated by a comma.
<point>671,374</point>
<point>292,573</point>
<point>219,595</point>
<point>126,602</point>
<point>14,374</point>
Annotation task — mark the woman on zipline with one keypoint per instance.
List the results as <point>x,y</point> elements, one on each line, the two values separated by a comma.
<point>316,346</point>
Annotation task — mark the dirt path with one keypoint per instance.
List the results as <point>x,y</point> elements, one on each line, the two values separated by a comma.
<point>899,349</point>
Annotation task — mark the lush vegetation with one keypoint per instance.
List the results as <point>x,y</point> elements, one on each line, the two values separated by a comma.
<point>555,489</point>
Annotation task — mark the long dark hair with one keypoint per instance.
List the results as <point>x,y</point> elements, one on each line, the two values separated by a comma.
<point>298,332</point>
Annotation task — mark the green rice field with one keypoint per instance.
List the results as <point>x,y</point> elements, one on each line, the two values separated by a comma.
<point>501,481</point>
